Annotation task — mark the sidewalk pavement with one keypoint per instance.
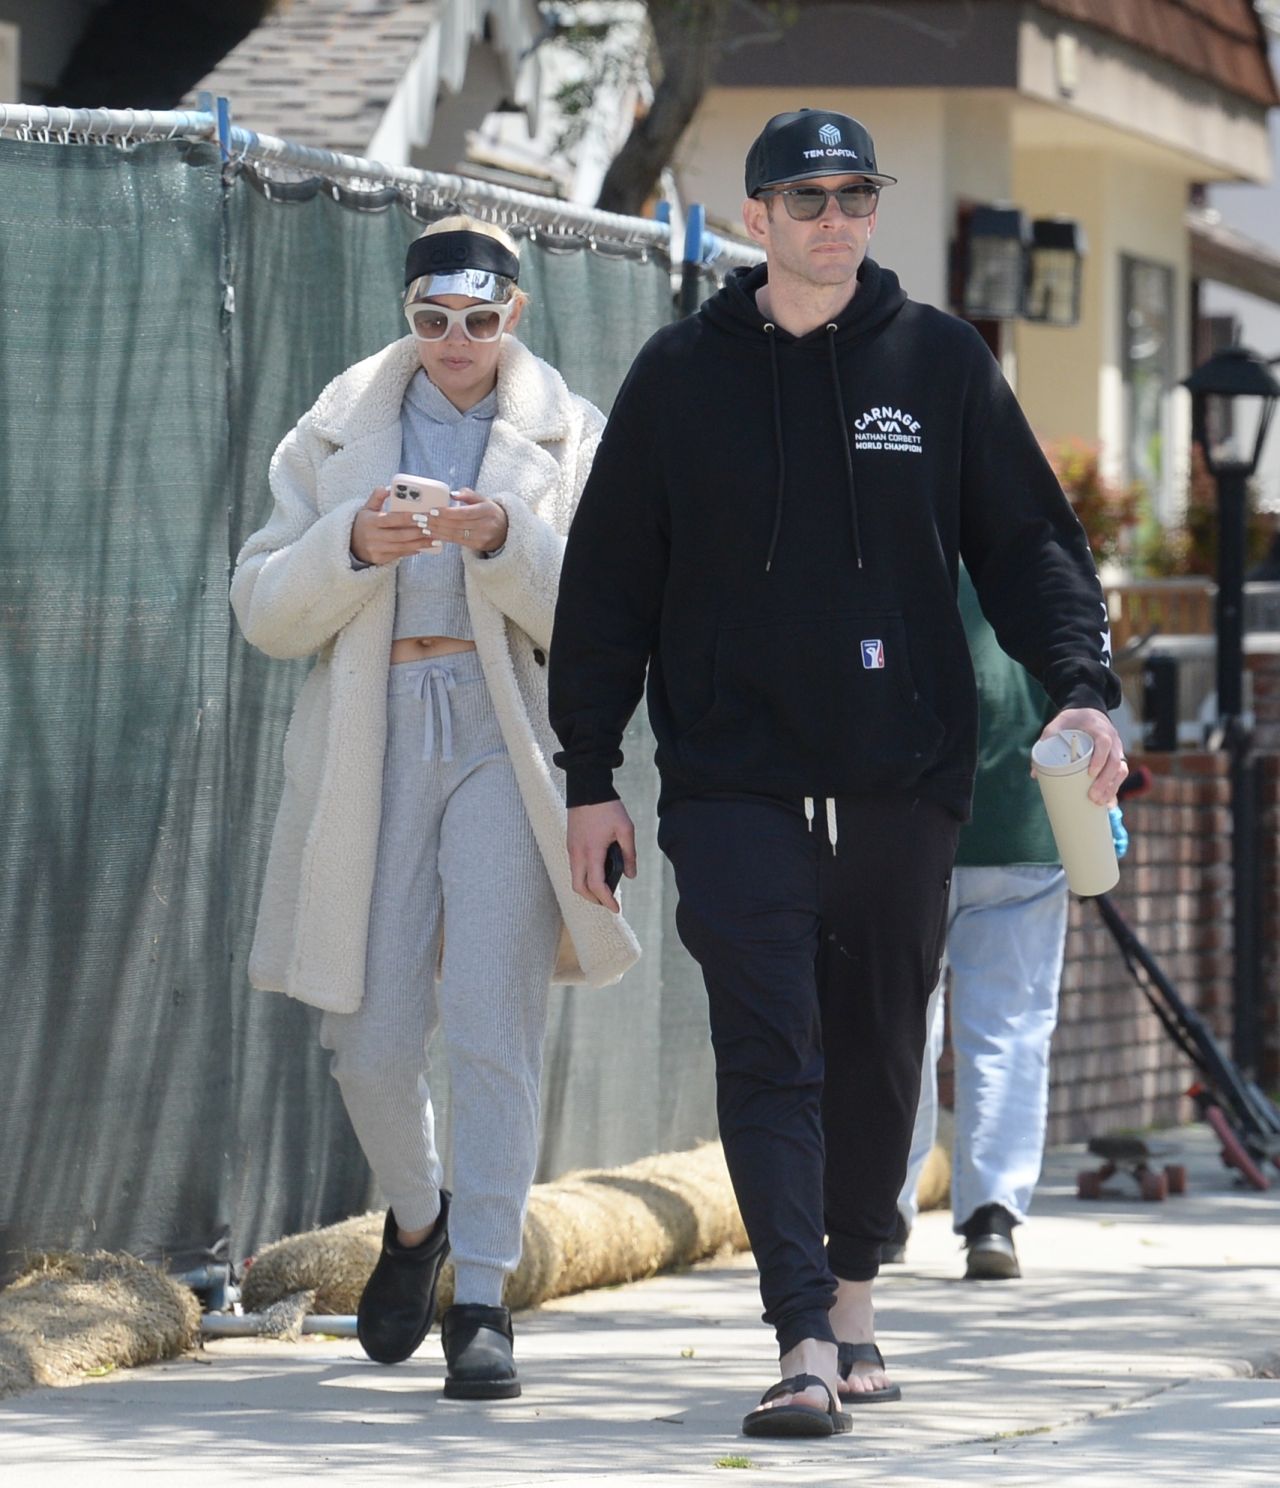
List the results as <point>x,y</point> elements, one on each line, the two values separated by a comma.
<point>1143,1342</point>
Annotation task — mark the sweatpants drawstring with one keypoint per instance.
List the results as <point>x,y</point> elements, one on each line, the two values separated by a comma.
<point>437,681</point>
<point>833,830</point>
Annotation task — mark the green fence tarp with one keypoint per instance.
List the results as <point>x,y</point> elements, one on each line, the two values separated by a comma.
<point>149,1099</point>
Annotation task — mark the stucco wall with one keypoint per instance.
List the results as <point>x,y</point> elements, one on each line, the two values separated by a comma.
<point>1070,381</point>
<point>49,30</point>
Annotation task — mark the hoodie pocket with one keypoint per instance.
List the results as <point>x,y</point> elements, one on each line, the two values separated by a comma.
<point>826,701</point>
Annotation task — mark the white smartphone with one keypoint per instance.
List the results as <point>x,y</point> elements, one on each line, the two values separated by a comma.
<point>416,494</point>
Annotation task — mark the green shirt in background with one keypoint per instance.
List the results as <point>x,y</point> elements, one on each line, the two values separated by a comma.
<point>1009,823</point>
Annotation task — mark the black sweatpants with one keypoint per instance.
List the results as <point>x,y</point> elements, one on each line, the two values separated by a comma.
<point>818,966</point>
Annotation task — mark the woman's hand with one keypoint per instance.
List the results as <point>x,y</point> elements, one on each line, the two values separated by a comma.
<point>382,537</point>
<point>476,522</point>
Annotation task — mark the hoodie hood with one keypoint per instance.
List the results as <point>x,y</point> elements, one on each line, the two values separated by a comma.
<point>878,299</point>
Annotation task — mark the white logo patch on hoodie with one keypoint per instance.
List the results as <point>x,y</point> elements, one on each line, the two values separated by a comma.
<point>890,430</point>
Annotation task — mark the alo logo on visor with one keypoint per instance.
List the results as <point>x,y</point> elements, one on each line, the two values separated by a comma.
<point>873,655</point>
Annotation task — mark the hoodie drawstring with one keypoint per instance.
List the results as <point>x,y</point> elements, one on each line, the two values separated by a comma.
<point>833,830</point>
<point>770,334</point>
<point>848,453</point>
<point>770,331</point>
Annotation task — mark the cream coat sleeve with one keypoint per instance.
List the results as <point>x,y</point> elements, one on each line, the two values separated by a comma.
<point>524,578</point>
<point>294,587</point>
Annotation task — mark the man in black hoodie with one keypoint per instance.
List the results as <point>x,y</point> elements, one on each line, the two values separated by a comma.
<point>771,532</point>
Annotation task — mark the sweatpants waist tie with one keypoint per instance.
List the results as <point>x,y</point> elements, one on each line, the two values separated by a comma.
<point>434,686</point>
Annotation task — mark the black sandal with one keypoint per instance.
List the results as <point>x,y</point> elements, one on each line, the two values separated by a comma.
<point>849,1354</point>
<point>796,1419</point>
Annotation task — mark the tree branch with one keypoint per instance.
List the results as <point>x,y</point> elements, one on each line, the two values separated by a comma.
<point>687,35</point>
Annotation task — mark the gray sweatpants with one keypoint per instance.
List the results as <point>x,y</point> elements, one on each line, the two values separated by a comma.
<point>456,858</point>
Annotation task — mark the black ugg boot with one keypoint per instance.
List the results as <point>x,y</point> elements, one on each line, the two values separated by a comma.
<point>398,1304</point>
<point>477,1350</point>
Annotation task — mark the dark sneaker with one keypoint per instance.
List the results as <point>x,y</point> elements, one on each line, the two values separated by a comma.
<point>988,1238</point>
<point>478,1352</point>
<point>398,1304</point>
<point>894,1252</point>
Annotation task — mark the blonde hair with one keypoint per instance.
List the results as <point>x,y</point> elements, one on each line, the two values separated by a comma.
<point>464,222</point>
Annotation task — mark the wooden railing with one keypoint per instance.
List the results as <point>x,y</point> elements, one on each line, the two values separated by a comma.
<point>1142,607</point>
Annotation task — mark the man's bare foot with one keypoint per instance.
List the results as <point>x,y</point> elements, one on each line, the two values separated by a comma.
<point>813,1356</point>
<point>853,1319</point>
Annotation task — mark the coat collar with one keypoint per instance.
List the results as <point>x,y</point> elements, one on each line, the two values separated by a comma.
<point>366,398</point>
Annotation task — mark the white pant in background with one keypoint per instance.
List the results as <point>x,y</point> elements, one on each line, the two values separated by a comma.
<point>1005,933</point>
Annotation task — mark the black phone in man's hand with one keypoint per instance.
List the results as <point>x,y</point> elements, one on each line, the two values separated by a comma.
<point>613,867</point>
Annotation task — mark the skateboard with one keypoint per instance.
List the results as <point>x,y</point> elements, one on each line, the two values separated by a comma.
<point>1140,1160</point>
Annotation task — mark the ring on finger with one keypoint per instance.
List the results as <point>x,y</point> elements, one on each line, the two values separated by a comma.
<point>466,532</point>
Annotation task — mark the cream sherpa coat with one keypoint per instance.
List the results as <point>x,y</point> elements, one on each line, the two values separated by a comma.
<point>295,593</point>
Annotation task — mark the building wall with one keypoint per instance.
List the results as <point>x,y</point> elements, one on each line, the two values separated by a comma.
<point>1255,211</point>
<point>1067,376</point>
<point>49,29</point>
<point>1070,380</point>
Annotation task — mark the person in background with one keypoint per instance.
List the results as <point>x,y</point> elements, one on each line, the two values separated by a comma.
<point>1006,932</point>
<point>418,876</point>
<point>1006,927</point>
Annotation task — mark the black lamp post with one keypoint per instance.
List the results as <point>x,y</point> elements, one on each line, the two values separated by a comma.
<point>1233,398</point>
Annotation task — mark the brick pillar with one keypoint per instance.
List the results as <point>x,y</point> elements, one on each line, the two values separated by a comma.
<point>1113,1065</point>
<point>1264,671</point>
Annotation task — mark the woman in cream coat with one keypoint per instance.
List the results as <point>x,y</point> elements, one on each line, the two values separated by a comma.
<point>418,874</point>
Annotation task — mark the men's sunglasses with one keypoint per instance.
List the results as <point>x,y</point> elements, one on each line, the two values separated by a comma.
<point>808,203</point>
<point>478,322</point>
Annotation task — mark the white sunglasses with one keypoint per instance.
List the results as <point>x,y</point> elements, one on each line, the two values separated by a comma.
<point>478,322</point>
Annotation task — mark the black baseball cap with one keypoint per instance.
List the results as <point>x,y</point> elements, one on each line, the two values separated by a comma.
<point>812,142</point>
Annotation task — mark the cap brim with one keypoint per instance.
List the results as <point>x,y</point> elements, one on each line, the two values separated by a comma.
<point>828,170</point>
<point>475,284</point>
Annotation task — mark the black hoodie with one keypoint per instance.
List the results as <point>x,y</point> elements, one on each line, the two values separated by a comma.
<point>771,527</point>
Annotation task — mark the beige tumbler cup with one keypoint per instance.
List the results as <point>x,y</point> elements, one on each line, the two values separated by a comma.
<point>1081,828</point>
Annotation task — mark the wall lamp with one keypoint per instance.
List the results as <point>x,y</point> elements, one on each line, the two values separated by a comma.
<point>1055,273</point>
<point>993,267</point>
<point>1008,267</point>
